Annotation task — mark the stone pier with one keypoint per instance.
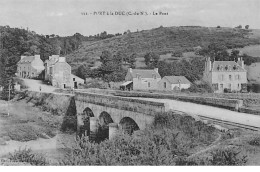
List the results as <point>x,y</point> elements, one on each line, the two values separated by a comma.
<point>113,130</point>
<point>94,124</point>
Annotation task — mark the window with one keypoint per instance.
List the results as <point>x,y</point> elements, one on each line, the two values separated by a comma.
<point>164,84</point>
<point>215,86</point>
<point>221,86</point>
<point>149,85</point>
<point>222,77</point>
<point>73,79</point>
<point>226,67</point>
<point>238,77</point>
<point>230,77</point>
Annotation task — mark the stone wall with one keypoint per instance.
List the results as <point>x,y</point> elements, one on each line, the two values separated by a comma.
<point>233,104</point>
<point>140,106</point>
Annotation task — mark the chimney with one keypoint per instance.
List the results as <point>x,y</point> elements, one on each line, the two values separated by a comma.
<point>208,64</point>
<point>210,67</point>
<point>62,59</point>
<point>130,70</point>
<point>156,70</point>
<point>240,62</point>
<point>37,57</point>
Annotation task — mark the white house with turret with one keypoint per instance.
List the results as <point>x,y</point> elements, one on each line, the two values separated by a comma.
<point>228,75</point>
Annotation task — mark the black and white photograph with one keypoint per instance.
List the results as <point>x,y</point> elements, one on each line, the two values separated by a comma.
<point>129,83</point>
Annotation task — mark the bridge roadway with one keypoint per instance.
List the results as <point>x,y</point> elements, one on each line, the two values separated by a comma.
<point>209,111</point>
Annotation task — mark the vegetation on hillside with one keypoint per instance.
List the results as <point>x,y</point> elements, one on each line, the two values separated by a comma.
<point>15,42</point>
<point>163,40</point>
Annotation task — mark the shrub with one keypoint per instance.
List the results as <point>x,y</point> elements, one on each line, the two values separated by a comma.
<point>255,142</point>
<point>167,142</point>
<point>200,88</point>
<point>227,156</point>
<point>27,156</point>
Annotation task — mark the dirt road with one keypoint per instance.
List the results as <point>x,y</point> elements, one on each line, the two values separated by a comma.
<point>29,122</point>
<point>35,85</point>
<point>209,111</point>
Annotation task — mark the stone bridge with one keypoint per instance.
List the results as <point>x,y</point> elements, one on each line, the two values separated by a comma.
<point>111,113</point>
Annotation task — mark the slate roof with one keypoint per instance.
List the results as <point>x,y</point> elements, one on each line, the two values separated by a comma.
<point>52,60</point>
<point>145,73</point>
<point>176,79</point>
<point>74,76</point>
<point>27,59</point>
<point>227,66</point>
<point>126,83</point>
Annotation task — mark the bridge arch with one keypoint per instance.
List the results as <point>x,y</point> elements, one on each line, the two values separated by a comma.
<point>105,119</point>
<point>87,112</point>
<point>85,128</point>
<point>128,125</point>
<point>103,131</point>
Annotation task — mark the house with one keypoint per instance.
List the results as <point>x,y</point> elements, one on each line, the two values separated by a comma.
<point>229,75</point>
<point>58,72</point>
<point>174,83</point>
<point>143,79</point>
<point>48,65</point>
<point>75,81</point>
<point>30,66</point>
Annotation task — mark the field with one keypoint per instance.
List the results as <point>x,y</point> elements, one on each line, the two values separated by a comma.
<point>34,124</point>
<point>252,50</point>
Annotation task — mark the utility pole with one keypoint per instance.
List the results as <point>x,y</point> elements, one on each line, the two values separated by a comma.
<point>8,113</point>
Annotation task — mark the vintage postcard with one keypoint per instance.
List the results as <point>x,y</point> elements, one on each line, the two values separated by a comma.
<point>129,83</point>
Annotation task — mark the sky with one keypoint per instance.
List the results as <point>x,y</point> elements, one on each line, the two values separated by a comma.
<point>64,17</point>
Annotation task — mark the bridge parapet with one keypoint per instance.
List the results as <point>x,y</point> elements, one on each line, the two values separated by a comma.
<point>135,105</point>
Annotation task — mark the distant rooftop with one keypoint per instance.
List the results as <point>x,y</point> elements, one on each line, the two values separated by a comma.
<point>226,66</point>
<point>177,79</point>
<point>145,73</point>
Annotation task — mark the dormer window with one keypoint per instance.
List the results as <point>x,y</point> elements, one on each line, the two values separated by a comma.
<point>218,67</point>
<point>226,67</point>
<point>235,67</point>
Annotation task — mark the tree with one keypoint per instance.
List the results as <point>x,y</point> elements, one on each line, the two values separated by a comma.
<point>247,27</point>
<point>111,67</point>
<point>234,55</point>
<point>132,60</point>
<point>216,52</point>
<point>151,59</point>
<point>239,27</point>
<point>83,71</point>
